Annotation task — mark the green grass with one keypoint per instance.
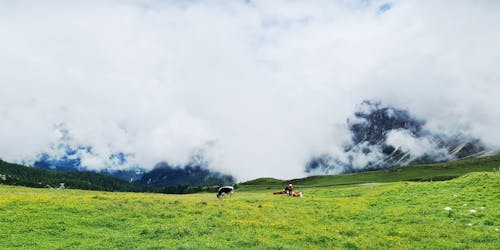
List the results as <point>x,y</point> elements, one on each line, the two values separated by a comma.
<point>399,215</point>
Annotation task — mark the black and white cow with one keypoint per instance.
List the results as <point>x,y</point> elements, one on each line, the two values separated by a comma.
<point>225,190</point>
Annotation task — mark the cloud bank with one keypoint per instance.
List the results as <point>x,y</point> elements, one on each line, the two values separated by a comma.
<point>259,86</point>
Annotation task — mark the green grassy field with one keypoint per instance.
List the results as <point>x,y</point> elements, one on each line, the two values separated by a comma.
<point>399,215</point>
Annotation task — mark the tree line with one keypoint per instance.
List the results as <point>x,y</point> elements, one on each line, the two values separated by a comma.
<point>15,174</point>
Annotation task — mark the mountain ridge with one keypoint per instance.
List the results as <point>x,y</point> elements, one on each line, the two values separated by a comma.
<point>384,136</point>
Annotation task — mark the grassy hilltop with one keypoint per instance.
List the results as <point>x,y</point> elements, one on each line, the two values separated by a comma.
<point>399,215</point>
<point>426,172</point>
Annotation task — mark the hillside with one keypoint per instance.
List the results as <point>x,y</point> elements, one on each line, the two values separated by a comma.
<point>33,177</point>
<point>427,172</point>
<point>399,215</point>
<point>41,178</point>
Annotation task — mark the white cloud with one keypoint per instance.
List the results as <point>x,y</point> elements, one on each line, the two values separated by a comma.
<point>418,147</point>
<point>269,83</point>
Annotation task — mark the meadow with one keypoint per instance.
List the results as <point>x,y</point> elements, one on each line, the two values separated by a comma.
<point>398,215</point>
<point>421,172</point>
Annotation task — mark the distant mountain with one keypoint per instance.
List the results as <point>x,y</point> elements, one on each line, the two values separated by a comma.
<point>164,174</point>
<point>196,172</point>
<point>67,163</point>
<point>70,161</point>
<point>384,136</point>
<point>372,122</point>
<point>68,158</point>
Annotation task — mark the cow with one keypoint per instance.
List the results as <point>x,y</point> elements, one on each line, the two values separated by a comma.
<point>225,190</point>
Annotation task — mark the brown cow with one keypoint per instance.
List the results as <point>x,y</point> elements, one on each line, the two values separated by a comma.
<point>294,194</point>
<point>281,192</point>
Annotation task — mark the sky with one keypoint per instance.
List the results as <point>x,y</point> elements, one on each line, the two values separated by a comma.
<point>257,87</point>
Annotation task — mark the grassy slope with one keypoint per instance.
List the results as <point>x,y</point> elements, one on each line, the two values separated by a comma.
<point>399,215</point>
<point>440,171</point>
